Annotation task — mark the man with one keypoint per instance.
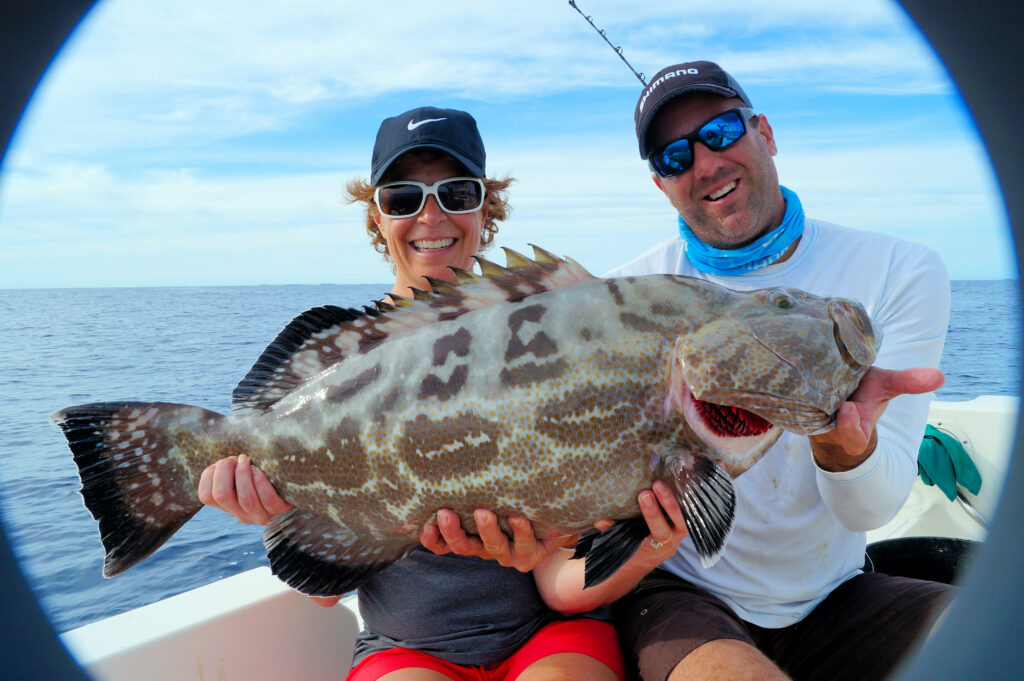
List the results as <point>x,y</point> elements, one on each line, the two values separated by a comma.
<point>787,599</point>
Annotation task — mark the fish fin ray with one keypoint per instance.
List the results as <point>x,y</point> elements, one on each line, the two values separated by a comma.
<point>707,500</point>
<point>304,347</point>
<point>324,336</point>
<point>308,552</point>
<point>609,550</point>
<point>584,542</point>
<point>138,501</point>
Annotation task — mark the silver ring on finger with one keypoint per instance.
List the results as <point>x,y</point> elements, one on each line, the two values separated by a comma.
<point>655,543</point>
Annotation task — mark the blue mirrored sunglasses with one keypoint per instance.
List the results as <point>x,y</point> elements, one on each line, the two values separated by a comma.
<point>715,134</point>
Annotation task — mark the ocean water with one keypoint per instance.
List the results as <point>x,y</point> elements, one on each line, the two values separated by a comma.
<point>69,346</point>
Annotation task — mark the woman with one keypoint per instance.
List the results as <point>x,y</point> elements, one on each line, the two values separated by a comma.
<point>430,207</point>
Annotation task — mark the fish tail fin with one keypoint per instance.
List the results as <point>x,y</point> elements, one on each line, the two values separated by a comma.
<point>135,481</point>
<point>319,557</point>
<point>708,501</point>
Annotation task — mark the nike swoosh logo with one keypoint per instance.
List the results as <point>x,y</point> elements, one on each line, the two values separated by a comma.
<point>413,126</point>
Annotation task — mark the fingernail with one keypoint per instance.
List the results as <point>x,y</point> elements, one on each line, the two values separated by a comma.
<point>646,500</point>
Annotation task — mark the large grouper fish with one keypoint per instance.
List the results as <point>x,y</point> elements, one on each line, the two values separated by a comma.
<point>534,389</point>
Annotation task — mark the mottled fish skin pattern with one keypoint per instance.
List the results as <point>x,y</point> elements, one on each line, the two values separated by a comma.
<point>534,390</point>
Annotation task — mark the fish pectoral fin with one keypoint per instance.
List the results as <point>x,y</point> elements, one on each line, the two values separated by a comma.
<point>707,499</point>
<point>584,542</point>
<point>605,552</point>
<point>318,557</point>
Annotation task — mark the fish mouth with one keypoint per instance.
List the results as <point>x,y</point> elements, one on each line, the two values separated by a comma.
<point>715,419</point>
<point>736,437</point>
<point>763,412</point>
<point>729,421</point>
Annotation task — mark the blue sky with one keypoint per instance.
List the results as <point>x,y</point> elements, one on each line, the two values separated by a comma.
<point>197,143</point>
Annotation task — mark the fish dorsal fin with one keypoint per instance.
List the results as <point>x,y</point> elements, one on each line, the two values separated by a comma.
<point>292,357</point>
<point>324,336</point>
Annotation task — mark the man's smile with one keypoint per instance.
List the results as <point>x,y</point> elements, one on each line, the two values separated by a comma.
<point>724,191</point>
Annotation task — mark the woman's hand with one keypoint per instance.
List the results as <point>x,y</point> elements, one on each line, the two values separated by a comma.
<point>560,579</point>
<point>523,552</point>
<point>236,486</point>
<point>664,521</point>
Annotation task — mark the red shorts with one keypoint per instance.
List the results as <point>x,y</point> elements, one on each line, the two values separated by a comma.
<point>585,636</point>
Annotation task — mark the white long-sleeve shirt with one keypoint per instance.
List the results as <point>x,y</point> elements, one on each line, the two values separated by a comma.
<point>799,530</point>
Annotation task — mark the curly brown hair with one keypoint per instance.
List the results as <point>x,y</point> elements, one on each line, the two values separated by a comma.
<point>498,208</point>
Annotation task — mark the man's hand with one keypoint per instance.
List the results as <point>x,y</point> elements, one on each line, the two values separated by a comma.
<point>236,486</point>
<point>854,438</point>
<point>523,552</point>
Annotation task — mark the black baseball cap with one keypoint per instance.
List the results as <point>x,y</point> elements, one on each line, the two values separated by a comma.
<point>679,79</point>
<point>449,130</point>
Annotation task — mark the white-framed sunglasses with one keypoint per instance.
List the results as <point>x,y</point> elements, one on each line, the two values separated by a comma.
<point>406,198</point>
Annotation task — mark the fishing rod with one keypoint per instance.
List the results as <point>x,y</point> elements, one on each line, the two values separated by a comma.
<point>618,50</point>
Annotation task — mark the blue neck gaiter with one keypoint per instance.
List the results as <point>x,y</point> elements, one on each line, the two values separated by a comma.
<point>755,255</point>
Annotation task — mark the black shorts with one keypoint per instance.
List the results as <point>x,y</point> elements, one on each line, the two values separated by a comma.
<point>858,633</point>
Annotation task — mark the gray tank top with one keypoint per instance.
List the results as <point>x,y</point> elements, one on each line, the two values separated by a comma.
<point>463,609</point>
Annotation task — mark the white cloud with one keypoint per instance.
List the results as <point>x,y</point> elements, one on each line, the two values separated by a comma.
<point>235,67</point>
<point>170,139</point>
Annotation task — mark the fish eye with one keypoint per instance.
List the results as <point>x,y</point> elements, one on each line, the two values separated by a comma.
<point>781,300</point>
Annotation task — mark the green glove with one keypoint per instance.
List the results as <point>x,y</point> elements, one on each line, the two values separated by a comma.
<point>942,461</point>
